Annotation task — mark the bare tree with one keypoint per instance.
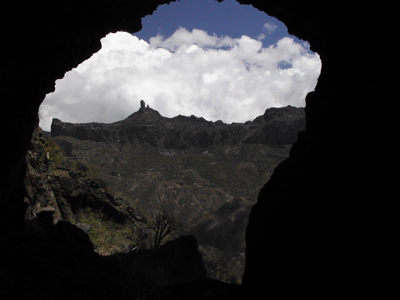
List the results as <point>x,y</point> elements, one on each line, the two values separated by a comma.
<point>165,223</point>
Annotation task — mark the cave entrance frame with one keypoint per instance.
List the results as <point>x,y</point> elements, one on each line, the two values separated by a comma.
<point>80,38</point>
<point>132,33</point>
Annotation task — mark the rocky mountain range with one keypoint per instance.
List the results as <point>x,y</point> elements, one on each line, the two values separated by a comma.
<point>208,174</point>
<point>278,126</point>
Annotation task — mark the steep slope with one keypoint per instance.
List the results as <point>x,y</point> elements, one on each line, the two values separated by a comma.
<point>207,173</point>
<point>66,190</point>
<point>72,217</point>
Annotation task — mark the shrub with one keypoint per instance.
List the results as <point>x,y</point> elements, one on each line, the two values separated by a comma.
<point>107,236</point>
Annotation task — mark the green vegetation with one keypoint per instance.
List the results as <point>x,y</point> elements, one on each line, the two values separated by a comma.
<point>130,196</point>
<point>57,159</point>
<point>210,190</point>
<point>53,152</point>
<point>107,236</point>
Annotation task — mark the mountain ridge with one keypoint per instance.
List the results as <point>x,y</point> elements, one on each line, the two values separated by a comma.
<point>278,126</point>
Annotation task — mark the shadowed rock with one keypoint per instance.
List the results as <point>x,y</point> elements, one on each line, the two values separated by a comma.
<point>279,126</point>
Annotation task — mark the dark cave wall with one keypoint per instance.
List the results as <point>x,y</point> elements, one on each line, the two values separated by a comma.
<point>326,221</point>
<point>41,43</point>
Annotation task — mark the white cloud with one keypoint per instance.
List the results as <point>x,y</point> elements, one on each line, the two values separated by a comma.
<point>191,72</point>
<point>270,27</point>
<point>182,38</point>
<point>261,36</point>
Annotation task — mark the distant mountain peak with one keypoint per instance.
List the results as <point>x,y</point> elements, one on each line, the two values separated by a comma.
<point>145,115</point>
<point>278,126</point>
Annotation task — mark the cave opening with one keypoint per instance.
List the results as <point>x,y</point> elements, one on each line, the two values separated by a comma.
<point>220,61</point>
<point>246,76</point>
<point>351,214</point>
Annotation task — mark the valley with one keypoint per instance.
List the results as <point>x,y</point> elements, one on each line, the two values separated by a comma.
<point>208,174</point>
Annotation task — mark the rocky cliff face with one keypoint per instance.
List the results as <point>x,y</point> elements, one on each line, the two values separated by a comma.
<point>60,189</point>
<point>64,188</point>
<point>278,126</point>
<point>71,217</point>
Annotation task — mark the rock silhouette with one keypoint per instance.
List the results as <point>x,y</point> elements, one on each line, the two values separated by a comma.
<point>278,126</point>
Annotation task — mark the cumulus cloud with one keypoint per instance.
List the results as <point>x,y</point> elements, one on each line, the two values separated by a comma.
<point>188,73</point>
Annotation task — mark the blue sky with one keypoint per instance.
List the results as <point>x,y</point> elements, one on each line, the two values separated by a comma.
<point>227,18</point>
<point>220,61</point>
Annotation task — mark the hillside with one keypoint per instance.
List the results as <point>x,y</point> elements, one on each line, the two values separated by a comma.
<point>83,239</point>
<point>208,174</point>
